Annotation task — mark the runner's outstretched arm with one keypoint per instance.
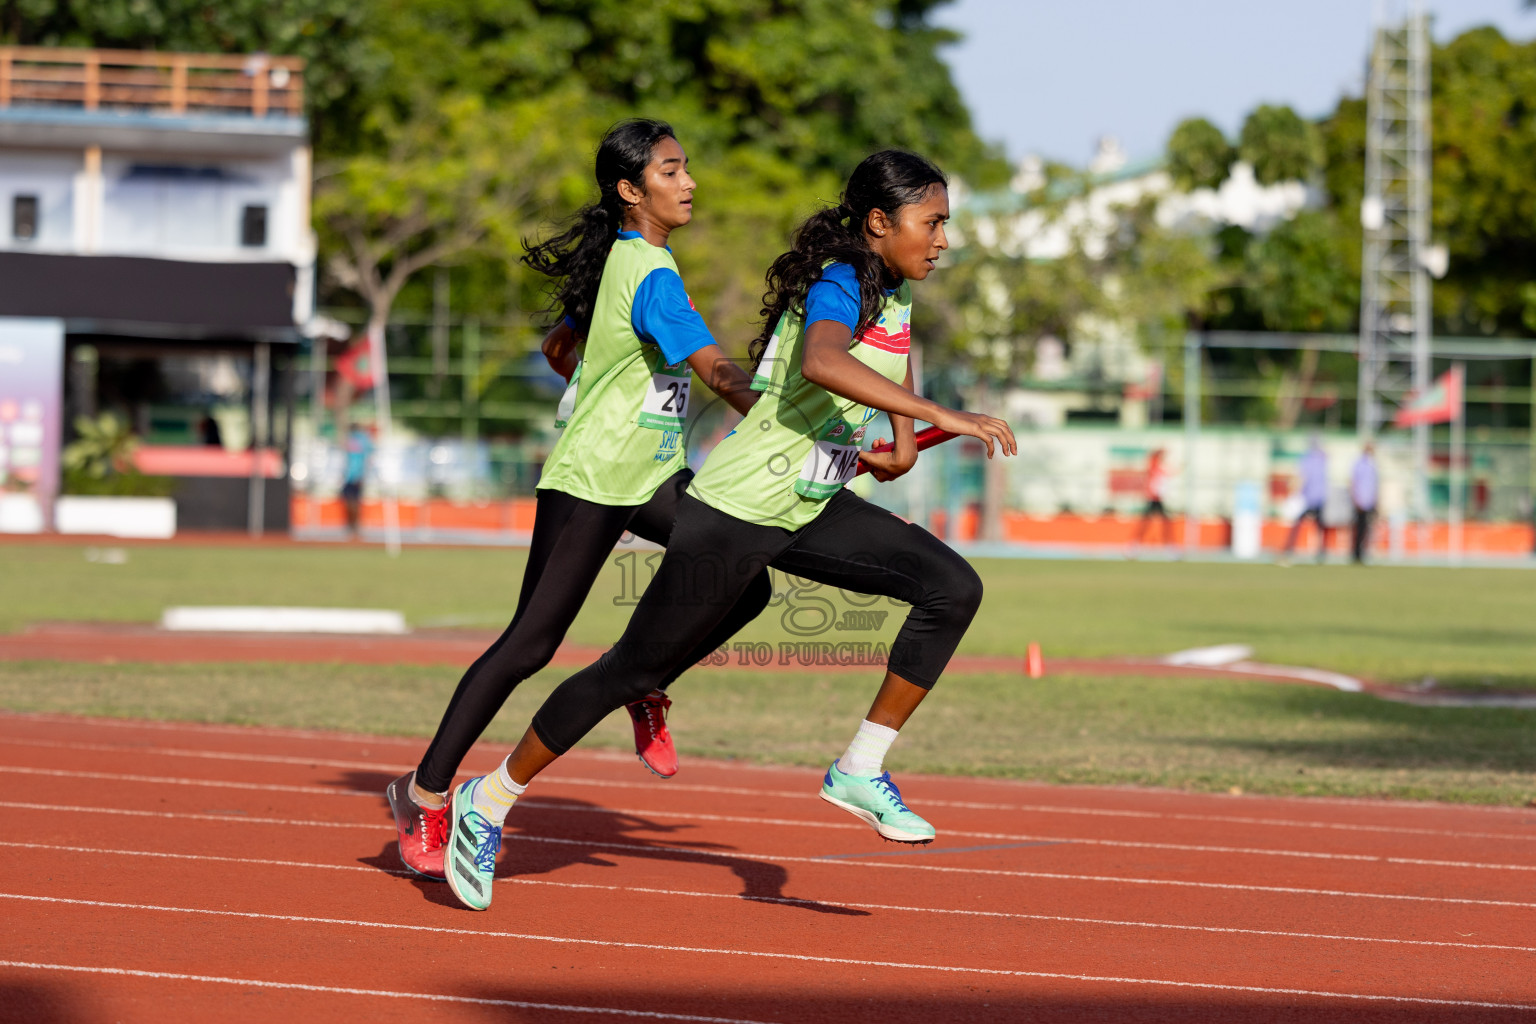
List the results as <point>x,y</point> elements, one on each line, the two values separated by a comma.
<point>827,363</point>
<point>724,377</point>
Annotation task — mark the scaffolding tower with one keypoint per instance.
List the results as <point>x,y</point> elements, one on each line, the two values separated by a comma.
<point>1394,292</point>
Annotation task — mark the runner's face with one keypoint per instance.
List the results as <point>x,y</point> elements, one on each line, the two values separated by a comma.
<point>911,241</point>
<point>668,198</point>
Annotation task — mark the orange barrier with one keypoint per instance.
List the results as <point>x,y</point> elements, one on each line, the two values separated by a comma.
<point>509,515</point>
<point>515,515</point>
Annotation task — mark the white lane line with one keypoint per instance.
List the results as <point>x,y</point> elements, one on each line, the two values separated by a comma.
<point>1011,837</point>
<point>163,780</point>
<point>762,954</point>
<point>673,850</point>
<point>245,819</point>
<point>651,812</point>
<point>294,986</point>
<point>682,787</point>
<point>210,857</point>
<point>613,757</point>
<point>790,900</point>
<point>1001,873</point>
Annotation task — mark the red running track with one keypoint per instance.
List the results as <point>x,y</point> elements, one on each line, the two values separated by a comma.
<point>164,871</point>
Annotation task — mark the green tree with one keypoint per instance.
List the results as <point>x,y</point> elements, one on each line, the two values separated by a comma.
<point>1296,279</point>
<point>774,103</point>
<point>1198,155</point>
<point>1280,145</point>
<point>451,179</point>
<point>1483,139</point>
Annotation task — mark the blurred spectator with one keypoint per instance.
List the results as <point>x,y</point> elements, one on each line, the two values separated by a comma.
<point>209,430</point>
<point>359,448</point>
<point>1364,485</point>
<point>1314,495</point>
<point>1152,490</point>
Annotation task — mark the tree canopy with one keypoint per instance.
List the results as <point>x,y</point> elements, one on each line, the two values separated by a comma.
<point>1198,155</point>
<point>1279,145</point>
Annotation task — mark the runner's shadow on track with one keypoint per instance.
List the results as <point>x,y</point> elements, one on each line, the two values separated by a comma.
<point>39,1003</point>
<point>545,835</point>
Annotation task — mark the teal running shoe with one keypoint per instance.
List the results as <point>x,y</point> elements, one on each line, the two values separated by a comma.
<point>473,844</point>
<point>876,802</point>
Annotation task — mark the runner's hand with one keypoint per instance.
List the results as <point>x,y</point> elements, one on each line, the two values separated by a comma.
<point>989,429</point>
<point>886,466</point>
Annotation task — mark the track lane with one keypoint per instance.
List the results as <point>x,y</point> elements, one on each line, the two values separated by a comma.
<point>820,857</point>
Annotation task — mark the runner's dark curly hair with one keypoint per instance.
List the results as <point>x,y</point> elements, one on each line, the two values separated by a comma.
<point>887,181</point>
<point>575,257</point>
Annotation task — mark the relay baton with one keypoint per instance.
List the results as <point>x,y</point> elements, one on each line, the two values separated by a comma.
<point>926,438</point>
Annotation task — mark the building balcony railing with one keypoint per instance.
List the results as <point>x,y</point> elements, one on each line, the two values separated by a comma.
<point>133,81</point>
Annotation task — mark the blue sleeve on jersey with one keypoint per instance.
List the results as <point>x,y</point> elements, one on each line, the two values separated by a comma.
<point>834,297</point>
<point>662,315</point>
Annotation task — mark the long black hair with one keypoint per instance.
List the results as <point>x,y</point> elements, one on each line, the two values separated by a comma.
<point>887,181</point>
<point>575,257</point>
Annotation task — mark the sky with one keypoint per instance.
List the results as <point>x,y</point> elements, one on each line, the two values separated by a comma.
<point>1049,77</point>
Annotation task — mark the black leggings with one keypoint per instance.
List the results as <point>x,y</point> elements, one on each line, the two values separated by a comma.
<point>715,557</point>
<point>572,538</point>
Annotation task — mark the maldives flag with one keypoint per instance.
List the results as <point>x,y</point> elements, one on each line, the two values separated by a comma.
<point>1440,404</point>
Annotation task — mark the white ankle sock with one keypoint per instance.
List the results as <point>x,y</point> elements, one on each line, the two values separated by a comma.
<point>493,795</point>
<point>438,800</point>
<point>865,756</point>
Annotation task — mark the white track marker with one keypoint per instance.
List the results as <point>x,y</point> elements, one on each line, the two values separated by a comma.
<point>762,954</point>
<point>1209,657</point>
<point>791,901</point>
<point>294,986</point>
<point>232,619</point>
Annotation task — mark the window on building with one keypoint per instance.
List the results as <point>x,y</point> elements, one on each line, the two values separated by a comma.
<point>253,226</point>
<point>24,218</point>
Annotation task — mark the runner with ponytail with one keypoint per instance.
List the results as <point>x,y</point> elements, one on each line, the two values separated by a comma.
<point>628,340</point>
<point>833,352</point>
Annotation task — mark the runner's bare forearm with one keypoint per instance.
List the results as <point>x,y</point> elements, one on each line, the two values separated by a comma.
<point>725,377</point>
<point>827,363</point>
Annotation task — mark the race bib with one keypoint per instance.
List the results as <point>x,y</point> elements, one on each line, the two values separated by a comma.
<point>568,400</point>
<point>832,462</point>
<point>666,401</point>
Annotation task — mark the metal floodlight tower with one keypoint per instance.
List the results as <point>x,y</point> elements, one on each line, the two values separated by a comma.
<point>1394,292</point>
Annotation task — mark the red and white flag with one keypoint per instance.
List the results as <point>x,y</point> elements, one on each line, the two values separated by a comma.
<point>1441,403</point>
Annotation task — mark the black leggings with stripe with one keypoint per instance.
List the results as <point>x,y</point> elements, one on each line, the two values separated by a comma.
<point>572,538</point>
<point>714,559</point>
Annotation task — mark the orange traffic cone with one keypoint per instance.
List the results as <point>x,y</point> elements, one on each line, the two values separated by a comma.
<point>1034,665</point>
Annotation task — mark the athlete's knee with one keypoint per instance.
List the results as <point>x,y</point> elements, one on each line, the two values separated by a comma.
<point>630,669</point>
<point>955,592</point>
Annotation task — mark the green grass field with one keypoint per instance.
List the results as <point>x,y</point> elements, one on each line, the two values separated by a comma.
<point>1466,628</point>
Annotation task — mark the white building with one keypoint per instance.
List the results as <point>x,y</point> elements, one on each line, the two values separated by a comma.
<point>1009,222</point>
<point>155,207</point>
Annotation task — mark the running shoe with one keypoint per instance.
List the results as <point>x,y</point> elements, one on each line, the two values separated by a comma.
<point>422,830</point>
<point>653,741</point>
<point>876,802</point>
<point>472,851</point>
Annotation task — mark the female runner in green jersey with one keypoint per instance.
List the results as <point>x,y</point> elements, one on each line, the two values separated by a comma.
<point>619,465</point>
<point>833,352</point>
